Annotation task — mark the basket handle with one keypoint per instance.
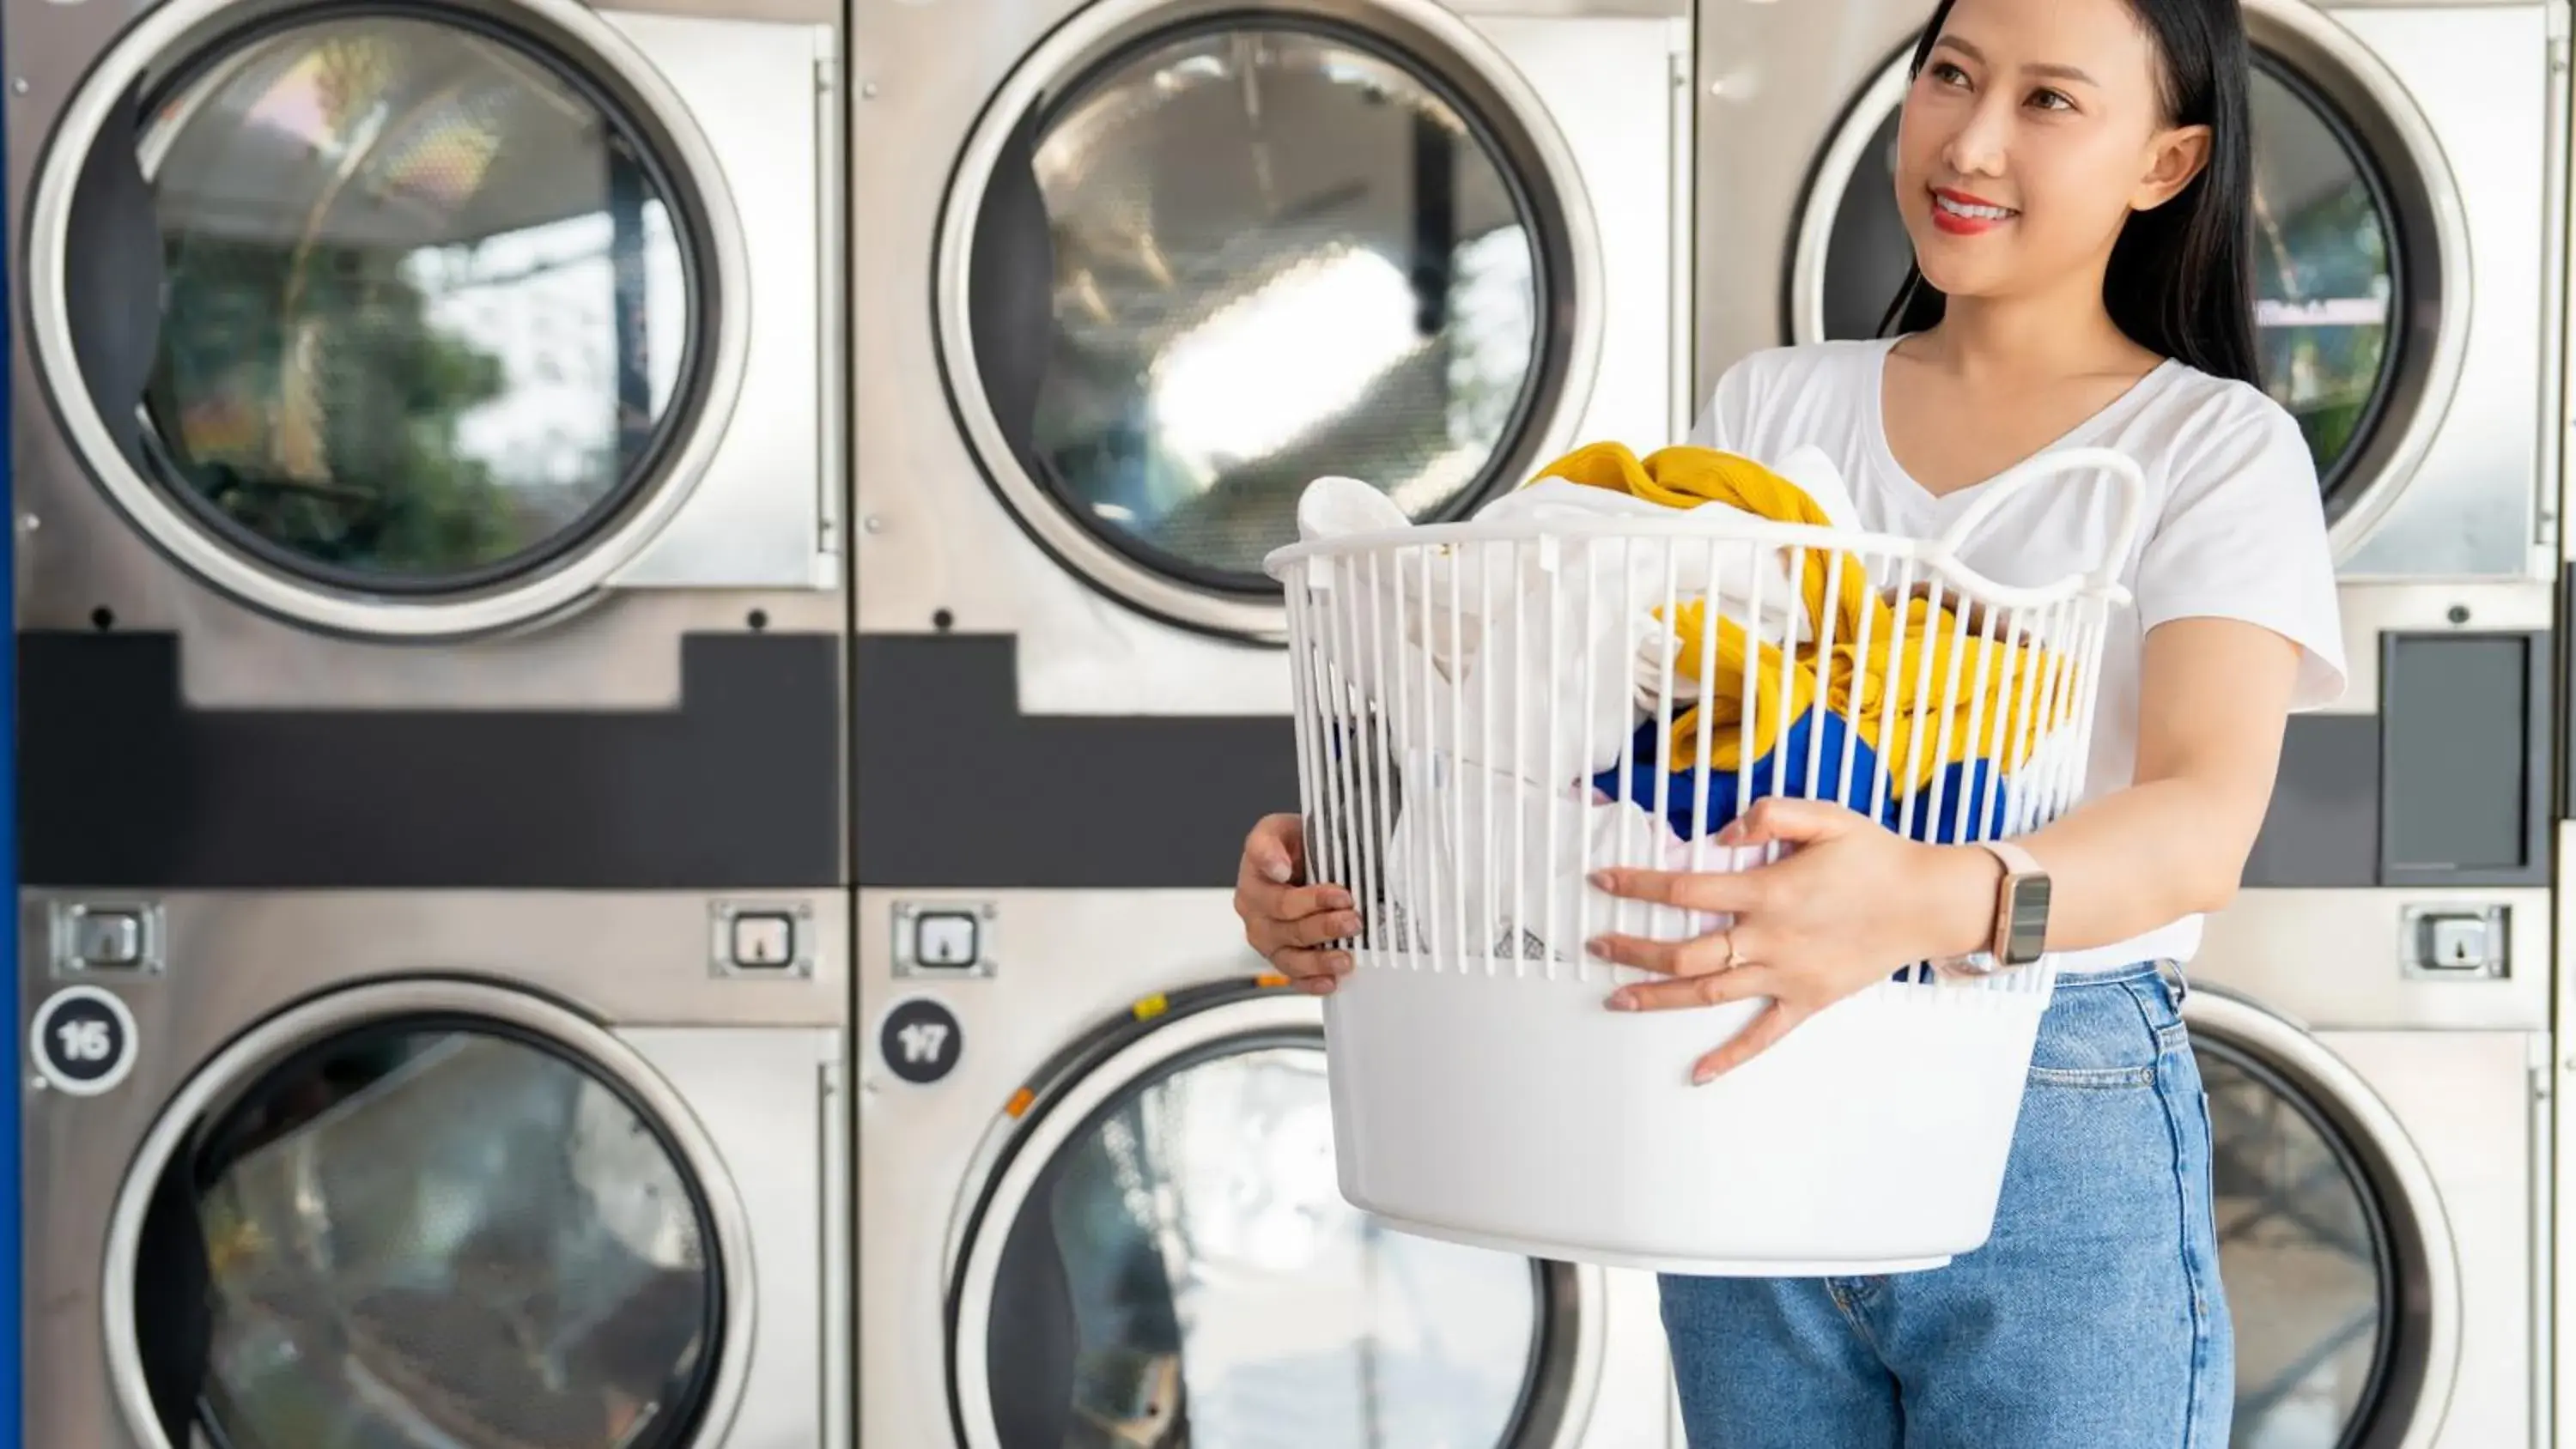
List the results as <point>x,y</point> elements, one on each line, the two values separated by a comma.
<point>2122,468</point>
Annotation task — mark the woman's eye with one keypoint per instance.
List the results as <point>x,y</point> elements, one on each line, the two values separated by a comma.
<point>1948,74</point>
<point>2051,101</point>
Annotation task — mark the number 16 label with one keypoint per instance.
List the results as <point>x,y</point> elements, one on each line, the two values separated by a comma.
<point>82,1041</point>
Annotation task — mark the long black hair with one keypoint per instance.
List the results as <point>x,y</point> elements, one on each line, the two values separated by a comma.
<point>2181,280</point>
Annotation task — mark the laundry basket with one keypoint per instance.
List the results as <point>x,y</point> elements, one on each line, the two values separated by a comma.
<point>1489,710</point>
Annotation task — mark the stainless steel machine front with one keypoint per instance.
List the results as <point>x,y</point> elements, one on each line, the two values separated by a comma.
<point>1097,1205</point>
<point>427,445</point>
<point>557,1170</point>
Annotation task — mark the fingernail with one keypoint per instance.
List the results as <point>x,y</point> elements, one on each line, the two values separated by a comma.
<point>1337,900</point>
<point>1341,964</point>
<point>1703,1074</point>
<point>1598,946</point>
<point>1277,870</point>
<point>1623,1001</point>
<point>1601,880</point>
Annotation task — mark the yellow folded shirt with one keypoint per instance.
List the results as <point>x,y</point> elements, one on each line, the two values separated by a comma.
<point>1883,694</point>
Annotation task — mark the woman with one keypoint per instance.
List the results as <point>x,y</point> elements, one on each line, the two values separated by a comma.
<point>2074,176</point>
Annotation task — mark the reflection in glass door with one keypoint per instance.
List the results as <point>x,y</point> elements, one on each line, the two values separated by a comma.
<point>431,305</point>
<point>1163,1257</point>
<point>428,1234</point>
<point>1222,258</point>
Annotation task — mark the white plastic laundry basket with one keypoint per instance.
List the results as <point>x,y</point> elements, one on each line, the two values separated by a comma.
<point>1459,688</point>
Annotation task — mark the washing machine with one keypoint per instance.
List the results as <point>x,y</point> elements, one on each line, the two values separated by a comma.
<point>1180,258</point>
<point>428,413</point>
<point>1097,1207</point>
<point>564,1170</point>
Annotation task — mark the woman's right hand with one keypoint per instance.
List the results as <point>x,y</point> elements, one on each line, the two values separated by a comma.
<point>1290,924</point>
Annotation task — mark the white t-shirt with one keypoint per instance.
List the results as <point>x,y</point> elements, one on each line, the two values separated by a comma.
<point>2234,526</point>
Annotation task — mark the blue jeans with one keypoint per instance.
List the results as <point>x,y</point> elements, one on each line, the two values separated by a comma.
<point>2093,1317</point>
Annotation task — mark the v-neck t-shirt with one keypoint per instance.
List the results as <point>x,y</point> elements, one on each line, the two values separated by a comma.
<point>2233,526</point>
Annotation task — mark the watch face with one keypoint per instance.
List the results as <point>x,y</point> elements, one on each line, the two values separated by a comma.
<point>2025,920</point>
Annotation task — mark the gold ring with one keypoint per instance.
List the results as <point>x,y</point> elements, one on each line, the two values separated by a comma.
<point>1732,959</point>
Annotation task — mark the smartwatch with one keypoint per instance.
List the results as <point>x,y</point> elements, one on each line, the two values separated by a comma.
<point>2021,914</point>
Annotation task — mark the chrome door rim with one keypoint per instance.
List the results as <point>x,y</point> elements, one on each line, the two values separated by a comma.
<point>1062,55</point>
<point>2288,1048</point>
<point>2303,27</point>
<point>1007,1196</point>
<point>319,1019</point>
<point>187,26</point>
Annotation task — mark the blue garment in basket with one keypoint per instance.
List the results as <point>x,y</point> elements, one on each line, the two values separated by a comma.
<point>1940,813</point>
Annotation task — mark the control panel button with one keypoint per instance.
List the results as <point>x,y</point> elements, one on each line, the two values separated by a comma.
<point>943,938</point>
<point>108,938</point>
<point>946,940</point>
<point>763,940</point>
<point>2455,941</point>
<point>119,937</point>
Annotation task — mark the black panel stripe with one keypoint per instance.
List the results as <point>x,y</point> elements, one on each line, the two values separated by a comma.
<point>957,788</point>
<point>2322,831</point>
<point>121,784</point>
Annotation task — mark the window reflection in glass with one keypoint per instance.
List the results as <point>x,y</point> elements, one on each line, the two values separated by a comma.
<point>420,1239</point>
<point>2322,271</point>
<point>1226,1297</point>
<point>2301,1252</point>
<point>425,310</point>
<point>1278,254</point>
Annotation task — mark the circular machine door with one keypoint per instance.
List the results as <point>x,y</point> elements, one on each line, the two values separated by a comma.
<point>441,337</point>
<point>426,1215</point>
<point>1159,1255</point>
<point>1197,257</point>
<point>2332,1243</point>
<point>2360,261</point>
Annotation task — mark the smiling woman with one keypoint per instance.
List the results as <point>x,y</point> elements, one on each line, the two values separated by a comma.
<point>2074,180</point>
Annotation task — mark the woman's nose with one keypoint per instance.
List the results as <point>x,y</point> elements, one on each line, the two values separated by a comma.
<point>1979,146</point>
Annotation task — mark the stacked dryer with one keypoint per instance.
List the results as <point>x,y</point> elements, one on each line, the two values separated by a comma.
<point>2373,1013</point>
<point>434,938</point>
<point>1186,257</point>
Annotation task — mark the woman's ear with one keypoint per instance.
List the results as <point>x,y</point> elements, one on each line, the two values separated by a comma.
<point>2173,159</point>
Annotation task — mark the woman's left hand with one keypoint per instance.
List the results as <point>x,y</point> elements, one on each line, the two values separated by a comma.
<point>1850,906</point>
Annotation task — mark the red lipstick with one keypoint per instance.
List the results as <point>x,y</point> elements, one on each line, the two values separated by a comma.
<point>1957,224</point>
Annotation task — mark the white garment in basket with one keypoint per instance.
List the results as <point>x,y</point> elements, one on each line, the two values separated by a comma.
<point>1535,904</point>
<point>1565,681</point>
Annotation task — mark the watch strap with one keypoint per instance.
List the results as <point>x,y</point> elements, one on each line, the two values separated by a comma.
<point>2016,860</point>
<point>2020,868</point>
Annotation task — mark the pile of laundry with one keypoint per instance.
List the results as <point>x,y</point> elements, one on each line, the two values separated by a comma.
<point>1596,695</point>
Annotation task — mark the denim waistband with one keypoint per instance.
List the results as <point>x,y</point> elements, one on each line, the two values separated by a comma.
<point>2170,970</point>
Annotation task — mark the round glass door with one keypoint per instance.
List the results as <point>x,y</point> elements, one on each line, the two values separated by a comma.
<point>1184,1271</point>
<point>1217,260</point>
<point>430,314</point>
<point>2328,331</point>
<point>428,1234</point>
<point>2322,1258</point>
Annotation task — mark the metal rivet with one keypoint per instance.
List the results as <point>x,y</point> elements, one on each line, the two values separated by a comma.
<point>868,90</point>
<point>2459,614</point>
<point>872,524</point>
<point>31,523</point>
<point>19,85</point>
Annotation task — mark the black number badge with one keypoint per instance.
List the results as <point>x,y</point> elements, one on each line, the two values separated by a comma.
<point>921,1040</point>
<point>82,1041</point>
